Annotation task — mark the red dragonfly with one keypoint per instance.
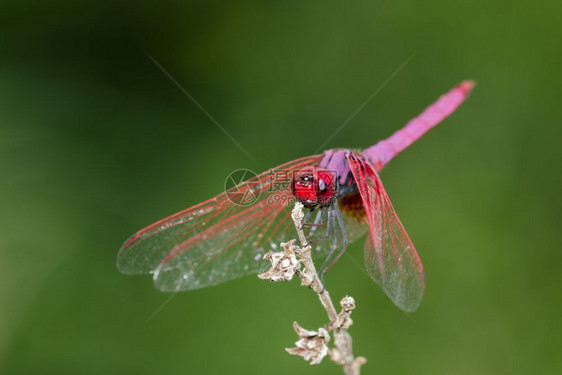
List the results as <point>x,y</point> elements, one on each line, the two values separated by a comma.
<point>220,239</point>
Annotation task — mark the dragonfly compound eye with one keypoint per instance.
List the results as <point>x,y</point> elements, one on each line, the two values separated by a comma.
<point>304,188</point>
<point>314,187</point>
<point>326,187</point>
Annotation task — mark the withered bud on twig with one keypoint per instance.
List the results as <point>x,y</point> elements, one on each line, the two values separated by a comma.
<point>312,345</point>
<point>284,264</point>
<point>343,321</point>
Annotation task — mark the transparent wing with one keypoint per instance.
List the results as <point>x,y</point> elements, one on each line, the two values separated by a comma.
<point>390,256</point>
<point>217,240</point>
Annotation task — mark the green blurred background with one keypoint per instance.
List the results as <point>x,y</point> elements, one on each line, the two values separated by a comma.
<point>96,142</point>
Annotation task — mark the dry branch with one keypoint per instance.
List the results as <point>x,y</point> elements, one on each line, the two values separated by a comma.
<point>313,345</point>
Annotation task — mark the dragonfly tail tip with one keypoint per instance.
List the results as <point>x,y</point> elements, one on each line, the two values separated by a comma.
<point>466,86</point>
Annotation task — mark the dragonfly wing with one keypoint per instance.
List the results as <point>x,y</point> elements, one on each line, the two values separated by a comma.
<point>217,240</point>
<point>390,256</point>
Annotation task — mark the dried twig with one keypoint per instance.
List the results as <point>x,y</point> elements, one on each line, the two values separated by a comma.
<point>313,345</point>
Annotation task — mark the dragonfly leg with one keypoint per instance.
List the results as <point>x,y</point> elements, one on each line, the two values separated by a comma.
<point>307,217</point>
<point>333,233</point>
<point>318,222</point>
<point>335,217</point>
<point>343,237</point>
<point>327,220</point>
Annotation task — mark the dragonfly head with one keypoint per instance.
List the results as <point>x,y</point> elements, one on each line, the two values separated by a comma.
<point>315,187</point>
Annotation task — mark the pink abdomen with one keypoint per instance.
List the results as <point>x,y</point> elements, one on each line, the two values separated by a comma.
<point>382,152</point>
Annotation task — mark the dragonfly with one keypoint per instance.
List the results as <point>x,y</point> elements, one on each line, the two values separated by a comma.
<point>223,238</point>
